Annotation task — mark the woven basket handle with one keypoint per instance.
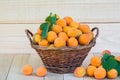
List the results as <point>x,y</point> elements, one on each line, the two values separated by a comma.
<point>29,35</point>
<point>97,32</point>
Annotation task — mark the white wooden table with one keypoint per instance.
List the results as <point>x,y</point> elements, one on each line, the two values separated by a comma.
<point>11,64</point>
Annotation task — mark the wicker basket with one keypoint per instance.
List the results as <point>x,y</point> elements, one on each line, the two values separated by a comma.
<point>62,60</point>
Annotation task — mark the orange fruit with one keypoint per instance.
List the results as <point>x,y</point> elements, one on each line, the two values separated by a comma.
<point>59,42</point>
<point>100,73</point>
<point>84,39</point>
<point>68,19</point>
<point>51,36</point>
<point>79,72</point>
<point>91,35</point>
<point>72,32</point>
<point>43,42</point>
<point>106,51</point>
<point>74,24</point>
<point>72,42</point>
<point>66,28</point>
<point>112,73</point>
<point>117,58</point>
<point>84,28</point>
<point>57,28</point>
<point>39,31</point>
<point>41,71</point>
<point>95,61</point>
<point>36,38</point>
<point>61,22</point>
<point>27,69</point>
<point>63,35</point>
<point>90,70</point>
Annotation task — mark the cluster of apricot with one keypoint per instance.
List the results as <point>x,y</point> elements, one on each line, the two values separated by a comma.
<point>95,68</point>
<point>65,32</point>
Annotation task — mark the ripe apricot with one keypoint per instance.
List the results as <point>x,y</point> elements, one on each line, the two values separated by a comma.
<point>51,36</point>
<point>72,32</point>
<point>61,22</point>
<point>79,72</point>
<point>68,19</point>
<point>66,28</point>
<point>117,58</point>
<point>90,70</point>
<point>84,28</point>
<point>27,69</point>
<point>100,73</point>
<point>91,35</point>
<point>79,32</point>
<point>57,28</point>
<point>72,42</point>
<point>112,73</point>
<point>39,31</point>
<point>106,51</point>
<point>59,42</point>
<point>41,71</point>
<point>74,24</point>
<point>36,38</point>
<point>84,39</point>
<point>43,42</point>
<point>95,61</point>
<point>63,35</point>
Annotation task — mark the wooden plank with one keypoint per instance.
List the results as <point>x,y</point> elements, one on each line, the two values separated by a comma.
<point>18,62</point>
<point>5,65</point>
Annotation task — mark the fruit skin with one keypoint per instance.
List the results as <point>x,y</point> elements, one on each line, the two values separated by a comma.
<point>106,51</point>
<point>72,32</point>
<point>39,31</point>
<point>74,24</point>
<point>100,73</point>
<point>36,38</point>
<point>79,72</point>
<point>84,39</point>
<point>117,58</point>
<point>84,28</point>
<point>112,73</point>
<point>63,35</point>
<point>72,42</point>
<point>57,28</point>
<point>90,70</point>
<point>27,69</point>
<point>41,71</point>
<point>68,19</point>
<point>59,42</point>
<point>51,36</point>
<point>66,28</point>
<point>61,22</point>
<point>95,61</point>
<point>43,42</point>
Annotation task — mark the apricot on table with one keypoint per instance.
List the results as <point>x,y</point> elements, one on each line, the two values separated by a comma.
<point>79,72</point>
<point>112,73</point>
<point>95,61</point>
<point>90,70</point>
<point>27,69</point>
<point>41,71</point>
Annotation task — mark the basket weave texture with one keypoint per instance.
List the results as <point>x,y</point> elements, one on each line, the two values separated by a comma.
<point>65,59</point>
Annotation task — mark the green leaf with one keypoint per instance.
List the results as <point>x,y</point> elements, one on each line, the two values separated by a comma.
<point>44,27</point>
<point>105,57</point>
<point>118,69</point>
<point>110,63</point>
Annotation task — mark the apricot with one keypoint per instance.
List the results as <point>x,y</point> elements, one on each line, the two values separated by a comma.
<point>63,35</point>
<point>27,69</point>
<point>57,28</point>
<point>51,36</point>
<point>61,22</point>
<point>68,19</point>
<point>90,70</point>
<point>84,39</point>
<point>95,61</point>
<point>41,71</point>
<point>112,73</point>
<point>106,51</point>
<point>91,35</point>
<point>117,58</point>
<point>100,73</point>
<point>59,42</point>
<point>72,42</point>
<point>84,28</point>
<point>79,72</point>
<point>36,38</point>
<point>74,24</point>
<point>39,31</point>
<point>43,42</point>
<point>72,32</point>
<point>79,32</point>
<point>66,28</point>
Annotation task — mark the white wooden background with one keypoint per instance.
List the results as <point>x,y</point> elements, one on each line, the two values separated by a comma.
<point>18,15</point>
